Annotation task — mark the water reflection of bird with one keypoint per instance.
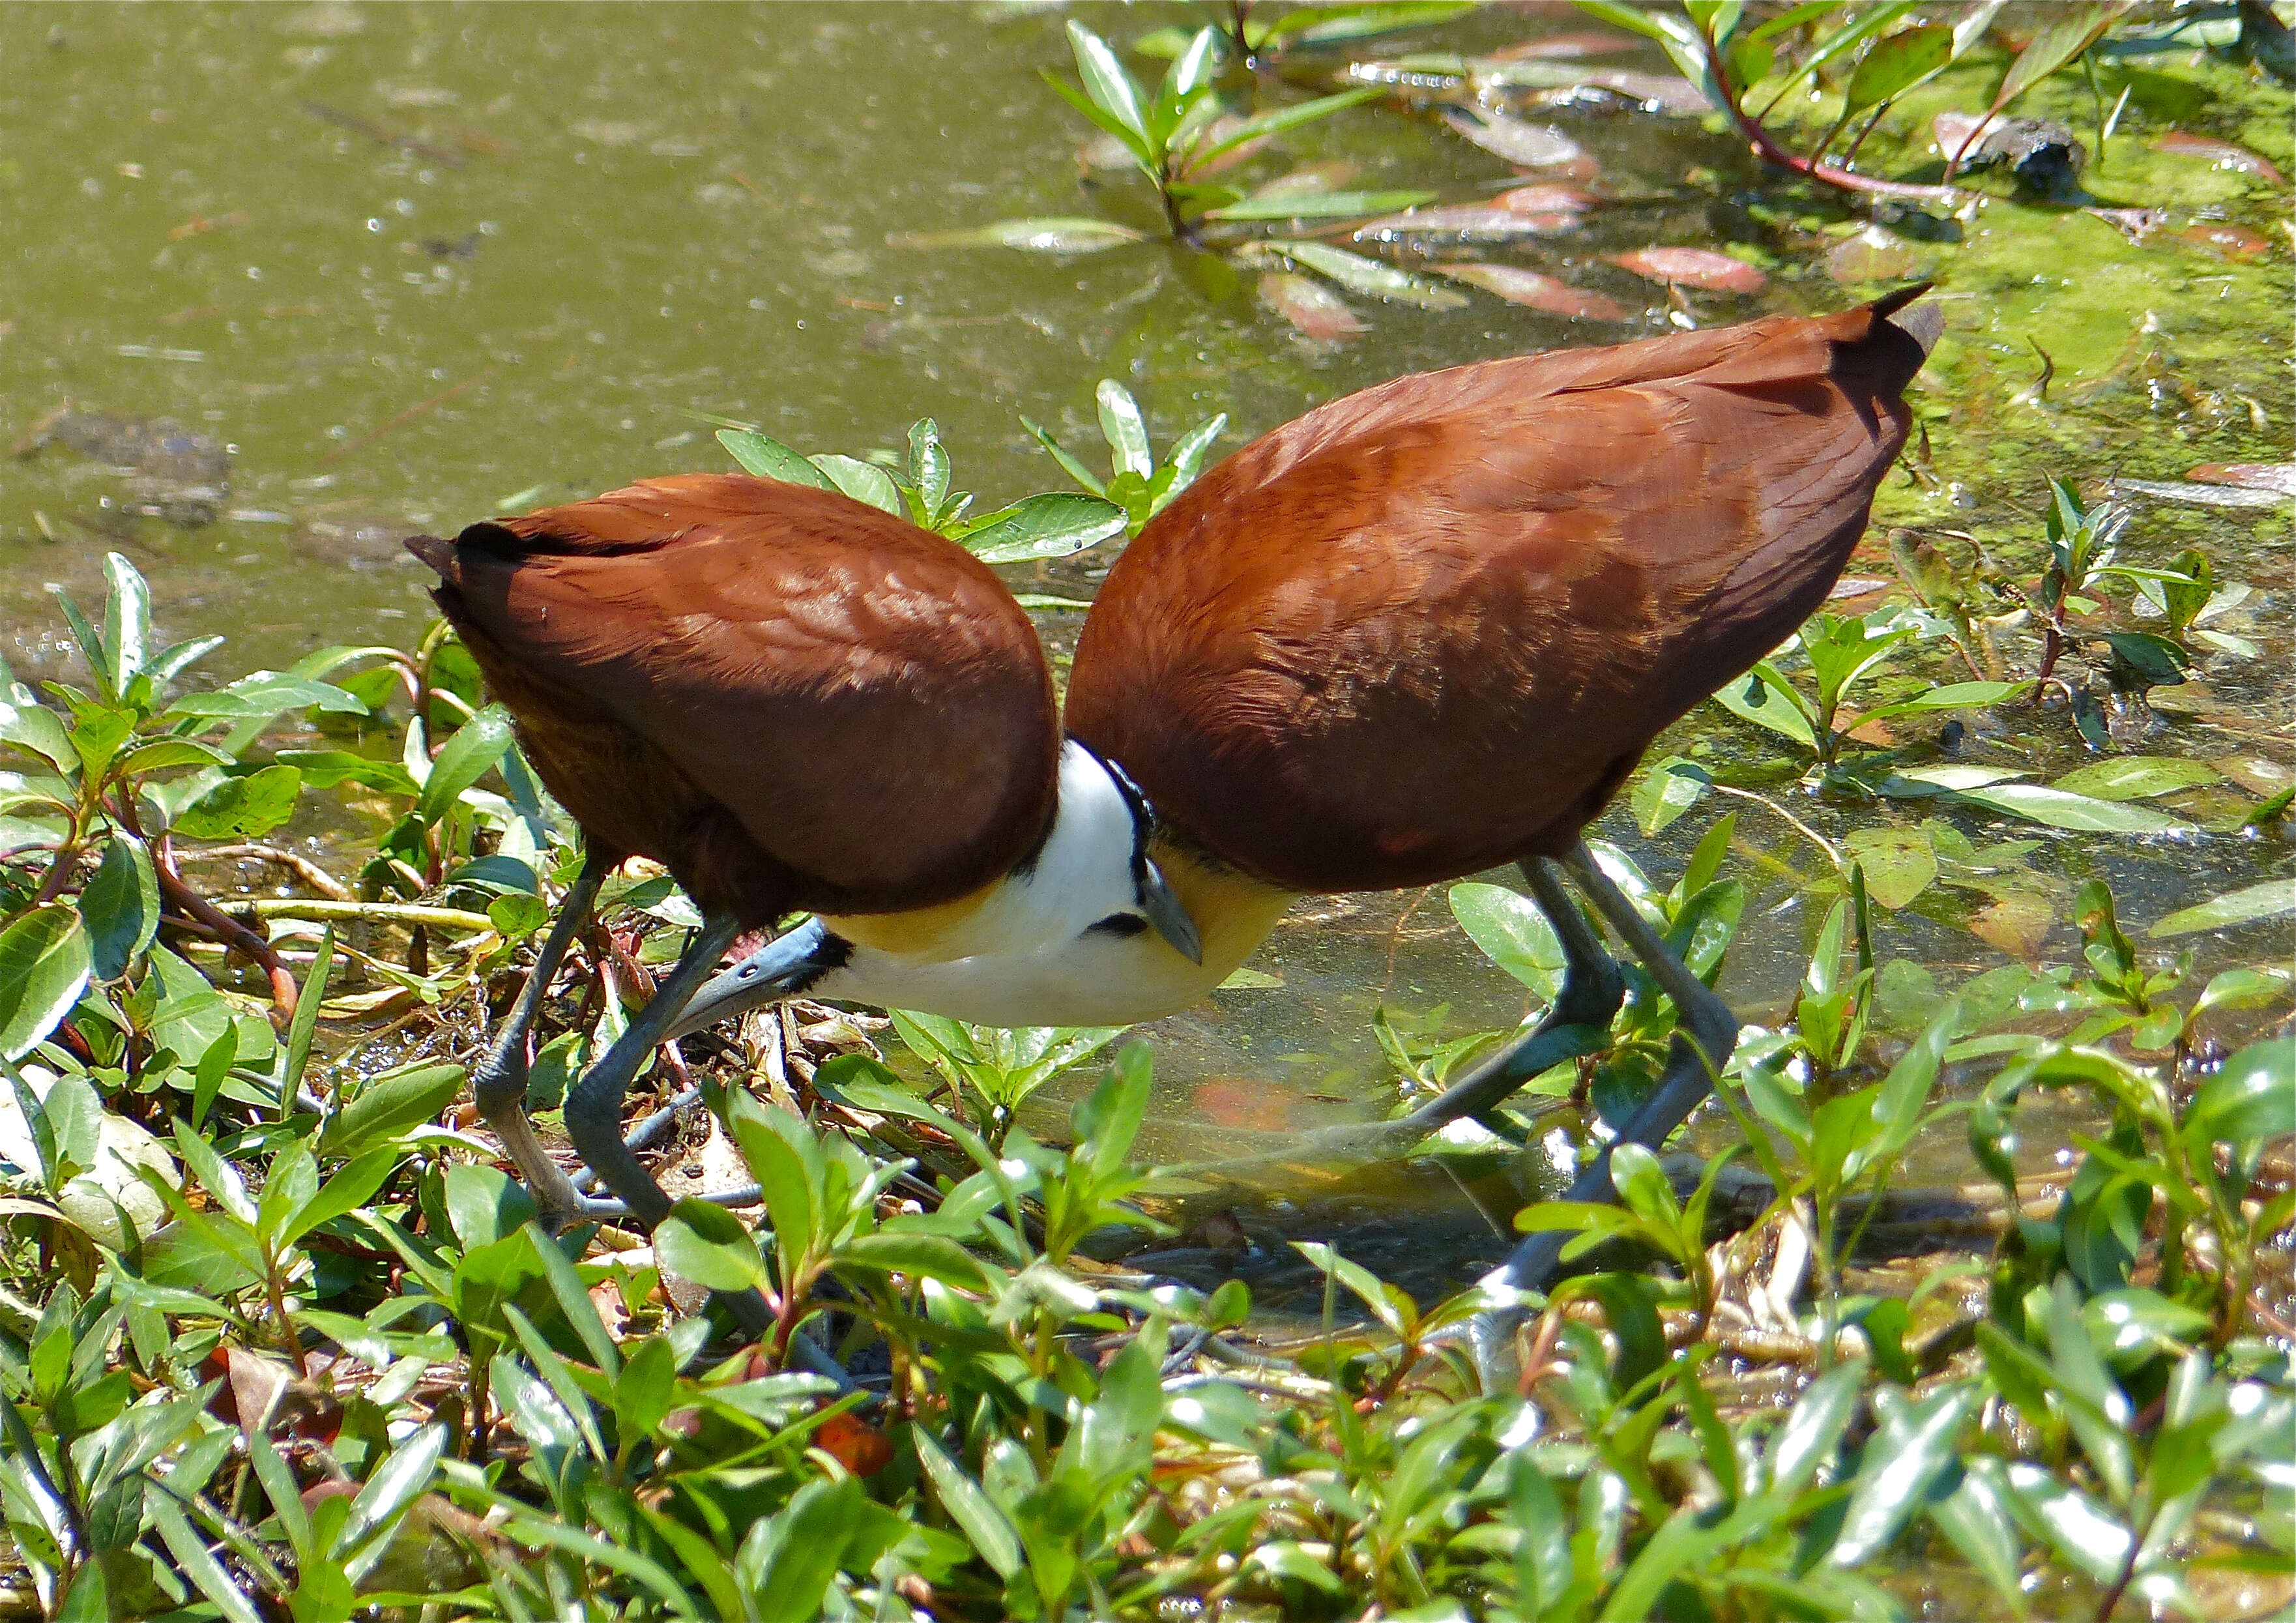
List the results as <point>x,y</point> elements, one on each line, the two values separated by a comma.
<point>1423,631</point>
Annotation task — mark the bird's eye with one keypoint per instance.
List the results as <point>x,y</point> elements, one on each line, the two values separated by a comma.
<point>1118,925</point>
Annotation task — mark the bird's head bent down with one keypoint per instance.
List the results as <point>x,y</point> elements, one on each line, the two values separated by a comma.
<point>1108,922</point>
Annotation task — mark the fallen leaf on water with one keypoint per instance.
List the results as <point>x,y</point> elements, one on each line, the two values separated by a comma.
<point>2017,923</point>
<point>1241,1102</point>
<point>1465,223</point>
<point>2278,477</point>
<point>2227,242</point>
<point>1321,315</point>
<point>2202,495</point>
<point>1046,234</point>
<point>1528,147</point>
<point>1538,292</point>
<point>2223,154</point>
<point>1698,268</point>
<point>1590,43</point>
<point>1875,254</point>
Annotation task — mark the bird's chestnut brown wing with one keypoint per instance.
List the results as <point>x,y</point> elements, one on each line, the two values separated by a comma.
<point>863,698</point>
<point>1429,630</point>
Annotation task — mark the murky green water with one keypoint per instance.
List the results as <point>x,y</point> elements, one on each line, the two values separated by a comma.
<point>414,263</point>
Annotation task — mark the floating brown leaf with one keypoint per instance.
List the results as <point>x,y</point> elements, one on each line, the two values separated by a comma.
<point>2222,154</point>
<point>2278,477</point>
<point>1320,314</point>
<point>1698,268</point>
<point>1517,285</point>
<point>2224,240</point>
<point>1528,146</point>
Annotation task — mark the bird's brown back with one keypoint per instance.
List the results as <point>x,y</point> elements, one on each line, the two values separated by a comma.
<point>791,698</point>
<point>1428,628</point>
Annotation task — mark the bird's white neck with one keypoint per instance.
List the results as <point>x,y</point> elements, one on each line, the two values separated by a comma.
<point>1062,939</point>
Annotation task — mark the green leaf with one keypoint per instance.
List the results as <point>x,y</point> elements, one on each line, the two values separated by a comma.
<point>1898,1104</point>
<point>2254,1098</point>
<point>1107,1120</point>
<point>35,729</point>
<point>1953,696</point>
<point>1975,1518</point>
<point>242,807</point>
<point>46,958</point>
<point>1770,701</point>
<point>1899,863</point>
<point>2147,659</point>
<point>1276,120</point>
<point>126,622</point>
<point>1665,790</point>
<point>1373,277</point>
<point>120,906</point>
<point>465,758</point>
<point>2070,30</point>
<point>517,916</point>
<point>808,1541</point>
<point>864,481</point>
<point>1912,1447</point>
<point>91,644</point>
<point>2054,808</point>
<point>388,1106</point>
<point>782,1157</point>
<point>2100,1414</point>
<point>1123,428</point>
<point>1813,1427</point>
<point>1512,933</point>
<point>927,465</point>
<point>1896,63</point>
<point>397,1483</point>
<point>710,1246</point>
<point>2267,900</point>
<point>352,1186</point>
<point>326,768</point>
<point>919,1256</point>
<point>1060,453</point>
<point>260,696</point>
<point>1052,525</point>
<point>2135,778</point>
<point>1108,85</point>
<point>988,1528</point>
<point>771,459</point>
<point>1319,206</point>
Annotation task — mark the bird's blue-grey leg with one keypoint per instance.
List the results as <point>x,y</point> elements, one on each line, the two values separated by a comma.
<point>1702,1046</point>
<point>593,1121</point>
<point>594,1105</point>
<point>499,1082</point>
<point>1577,1022</point>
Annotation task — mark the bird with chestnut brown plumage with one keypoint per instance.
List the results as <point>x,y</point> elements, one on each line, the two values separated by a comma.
<point>1421,632</point>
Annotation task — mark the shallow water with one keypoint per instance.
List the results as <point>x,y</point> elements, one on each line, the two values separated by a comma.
<point>418,264</point>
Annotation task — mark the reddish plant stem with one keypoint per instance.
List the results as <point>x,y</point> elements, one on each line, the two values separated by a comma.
<point>233,933</point>
<point>1766,145</point>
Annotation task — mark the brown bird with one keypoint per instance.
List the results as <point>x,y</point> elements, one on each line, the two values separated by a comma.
<point>796,702</point>
<point>1421,632</point>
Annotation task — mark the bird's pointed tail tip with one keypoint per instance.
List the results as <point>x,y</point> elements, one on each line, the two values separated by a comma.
<point>438,553</point>
<point>1924,323</point>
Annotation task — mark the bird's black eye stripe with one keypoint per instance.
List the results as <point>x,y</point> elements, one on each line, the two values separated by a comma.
<point>1118,924</point>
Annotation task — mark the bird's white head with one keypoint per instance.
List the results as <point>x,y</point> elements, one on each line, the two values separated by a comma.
<point>1101,925</point>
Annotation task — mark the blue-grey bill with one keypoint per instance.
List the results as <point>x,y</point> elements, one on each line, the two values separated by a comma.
<point>1161,904</point>
<point>783,967</point>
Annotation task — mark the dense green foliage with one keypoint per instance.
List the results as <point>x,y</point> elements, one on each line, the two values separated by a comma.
<point>279,1339</point>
